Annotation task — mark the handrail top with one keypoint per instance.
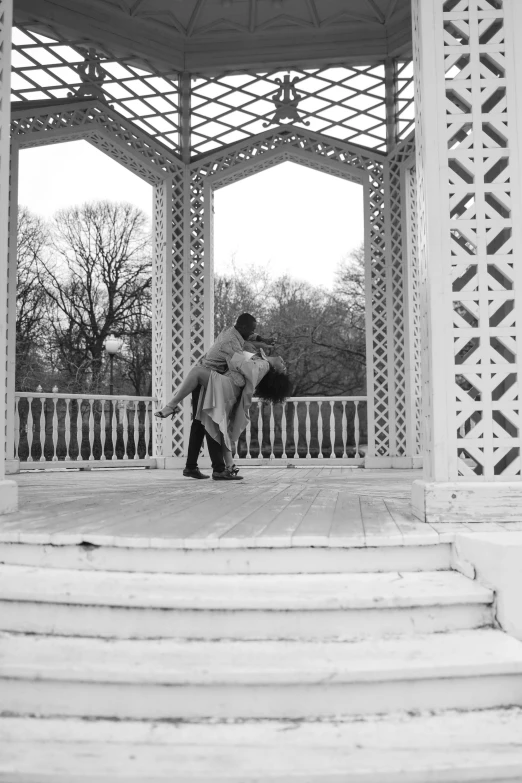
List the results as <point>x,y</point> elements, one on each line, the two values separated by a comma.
<point>321,399</point>
<point>65,396</point>
<point>128,397</point>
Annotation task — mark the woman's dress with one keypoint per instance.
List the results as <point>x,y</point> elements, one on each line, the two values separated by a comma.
<point>224,406</point>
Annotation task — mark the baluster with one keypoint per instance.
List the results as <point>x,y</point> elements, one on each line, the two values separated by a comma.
<point>248,438</point>
<point>260,428</point>
<point>344,429</point>
<point>356,427</point>
<point>67,433</point>
<point>17,427</point>
<point>91,430</point>
<point>332,428</point>
<point>55,429</point>
<point>147,430</point>
<point>114,426</point>
<point>296,431</point>
<point>136,430</point>
<point>30,429</point>
<point>308,430</point>
<point>79,429</point>
<point>125,428</point>
<point>271,424</point>
<point>283,430</point>
<point>42,427</point>
<point>235,455</point>
<point>103,434</point>
<point>320,433</point>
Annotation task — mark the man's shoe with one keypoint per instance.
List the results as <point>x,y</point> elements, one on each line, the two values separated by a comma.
<point>195,473</point>
<point>229,474</point>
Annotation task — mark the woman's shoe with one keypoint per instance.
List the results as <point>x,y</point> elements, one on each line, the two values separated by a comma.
<point>167,412</point>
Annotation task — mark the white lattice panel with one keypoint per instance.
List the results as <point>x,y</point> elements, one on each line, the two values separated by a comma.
<point>50,67</point>
<point>397,319</point>
<point>343,102</point>
<point>479,159</point>
<point>6,15</point>
<point>121,140</point>
<point>404,99</point>
<point>477,214</point>
<point>415,342</point>
<point>272,147</point>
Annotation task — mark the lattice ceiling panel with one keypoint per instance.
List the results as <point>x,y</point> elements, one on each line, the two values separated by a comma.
<point>346,103</point>
<point>45,67</point>
<point>404,98</point>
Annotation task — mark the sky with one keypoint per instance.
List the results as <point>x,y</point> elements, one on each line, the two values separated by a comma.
<point>289,219</point>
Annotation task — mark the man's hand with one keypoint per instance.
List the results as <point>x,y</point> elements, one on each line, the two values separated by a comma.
<point>264,341</point>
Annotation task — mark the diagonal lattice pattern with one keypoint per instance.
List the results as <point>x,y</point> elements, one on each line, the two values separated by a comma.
<point>47,67</point>
<point>415,346</point>
<point>396,297</point>
<point>345,103</point>
<point>404,99</point>
<point>122,141</point>
<point>480,244</point>
<point>270,148</point>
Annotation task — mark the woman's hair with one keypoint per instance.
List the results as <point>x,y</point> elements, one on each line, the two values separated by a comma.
<point>274,386</point>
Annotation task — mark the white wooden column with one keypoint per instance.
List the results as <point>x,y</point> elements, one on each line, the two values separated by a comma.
<point>468,83</point>
<point>169,310</point>
<point>12,465</point>
<point>8,489</point>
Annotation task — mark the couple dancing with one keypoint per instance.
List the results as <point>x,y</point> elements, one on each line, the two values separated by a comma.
<point>222,385</point>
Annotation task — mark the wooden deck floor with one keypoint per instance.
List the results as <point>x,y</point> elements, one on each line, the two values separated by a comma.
<point>270,507</point>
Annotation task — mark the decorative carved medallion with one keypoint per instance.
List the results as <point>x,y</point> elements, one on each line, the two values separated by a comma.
<point>286,99</point>
<point>92,75</point>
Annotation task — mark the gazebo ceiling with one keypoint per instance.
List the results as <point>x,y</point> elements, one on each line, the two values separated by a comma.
<point>219,35</point>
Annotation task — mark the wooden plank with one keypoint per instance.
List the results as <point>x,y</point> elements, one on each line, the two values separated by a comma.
<point>280,531</point>
<point>315,527</point>
<point>412,529</point>
<point>379,527</point>
<point>347,523</point>
<point>253,525</point>
<point>215,528</point>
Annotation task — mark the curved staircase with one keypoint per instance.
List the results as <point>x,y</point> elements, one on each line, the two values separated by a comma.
<point>191,665</point>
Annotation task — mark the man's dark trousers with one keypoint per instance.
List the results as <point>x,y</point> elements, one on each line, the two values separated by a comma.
<point>197,433</point>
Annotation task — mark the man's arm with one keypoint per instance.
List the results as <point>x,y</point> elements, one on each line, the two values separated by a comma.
<point>264,342</point>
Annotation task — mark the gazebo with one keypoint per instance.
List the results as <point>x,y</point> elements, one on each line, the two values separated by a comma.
<point>196,94</point>
<point>306,625</point>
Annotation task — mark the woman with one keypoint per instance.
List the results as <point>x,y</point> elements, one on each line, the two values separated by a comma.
<point>225,400</point>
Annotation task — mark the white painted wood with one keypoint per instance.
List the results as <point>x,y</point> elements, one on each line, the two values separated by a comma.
<point>43,427</point>
<point>158,679</point>
<point>61,417</point>
<point>450,748</point>
<point>115,553</point>
<point>466,501</point>
<point>68,429</point>
<point>108,604</point>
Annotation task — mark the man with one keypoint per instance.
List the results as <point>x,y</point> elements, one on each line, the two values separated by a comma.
<point>229,342</point>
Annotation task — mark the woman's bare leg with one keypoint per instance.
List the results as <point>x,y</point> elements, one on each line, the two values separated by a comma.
<point>198,376</point>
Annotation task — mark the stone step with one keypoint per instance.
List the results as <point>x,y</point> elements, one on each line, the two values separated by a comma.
<point>234,556</point>
<point>162,679</point>
<point>450,747</point>
<point>274,606</point>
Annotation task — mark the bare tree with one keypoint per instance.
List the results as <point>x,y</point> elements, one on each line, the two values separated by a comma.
<point>32,237</point>
<point>321,333</point>
<point>95,281</point>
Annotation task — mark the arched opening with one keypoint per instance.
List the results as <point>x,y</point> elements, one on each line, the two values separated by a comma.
<point>288,245</point>
<point>82,249</point>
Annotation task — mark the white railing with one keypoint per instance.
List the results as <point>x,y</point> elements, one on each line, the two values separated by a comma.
<point>80,429</point>
<point>315,428</point>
